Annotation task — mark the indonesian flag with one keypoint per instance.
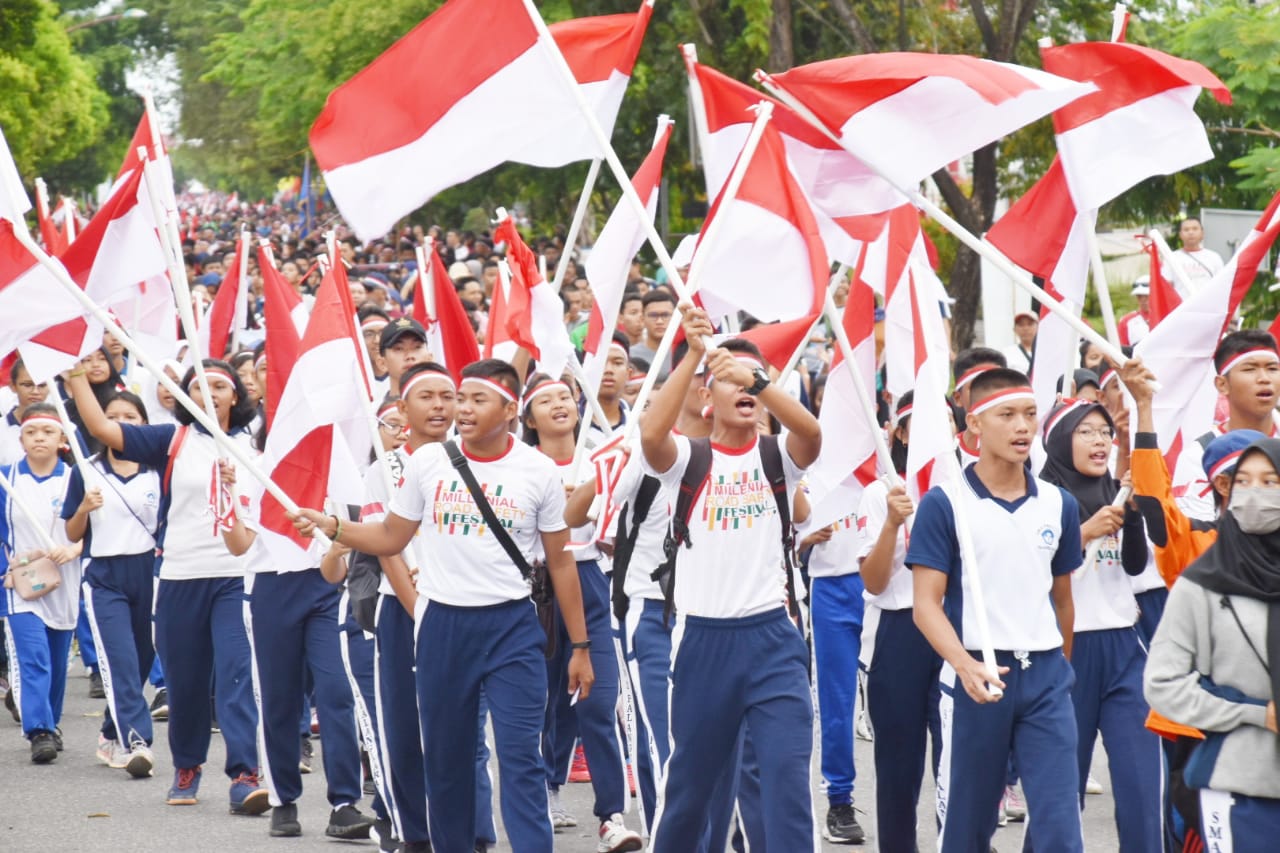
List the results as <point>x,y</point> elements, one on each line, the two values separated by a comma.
<point>841,187</point>
<point>1164,296</point>
<point>765,255</point>
<point>31,298</point>
<point>471,87</point>
<point>534,313</point>
<point>914,113</point>
<point>780,342</point>
<point>227,308</point>
<point>846,466</point>
<point>318,445</point>
<point>898,266</point>
<point>13,198</point>
<point>449,335</point>
<point>610,258</point>
<point>497,340</point>
<point>55,242</point>
<point>1140,122</point>
<point>117,251</point>
<point>1180,351</point>
<point>285,320</point>
<point>932,427</point>
<point>1046,234</point>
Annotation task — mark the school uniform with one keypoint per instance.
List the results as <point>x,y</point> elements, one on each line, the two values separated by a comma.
<point>198,609</point>
<point>357,652</point>
<point>39,632</point>
<point>477,630</point>
<point>396,707</point>
<point>1151,593</point>
<point>902,685</point>
<point>119,589</point>
<point>11,439</point>
<point>737,658</point>
<point>1020,546</point>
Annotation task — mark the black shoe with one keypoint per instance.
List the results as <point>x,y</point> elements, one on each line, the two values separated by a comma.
<point>384,834</point>
<point>57,739</point>
<point>418,847</point>
<point>12,706</point>
<point>43,748</point>
<point>284,821</point>
<point>160,705</point>
<point>96,690</point>
<point>308,751</point>
<point>842,826</point>
<point>348,823</point>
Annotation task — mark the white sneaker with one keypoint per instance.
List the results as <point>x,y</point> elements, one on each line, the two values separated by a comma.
<point>1013,806</point>
<point>615,837</point>
<point>139,761</point>
<point>560,818</point>
<point>1092,786</point>
<point>112,753</point>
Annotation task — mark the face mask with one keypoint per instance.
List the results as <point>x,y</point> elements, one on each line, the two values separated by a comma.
<point>1256,510</point>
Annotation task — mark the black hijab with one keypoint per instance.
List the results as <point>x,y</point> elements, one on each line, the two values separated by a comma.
<point>1092,493</point>
<point>1248,565</point>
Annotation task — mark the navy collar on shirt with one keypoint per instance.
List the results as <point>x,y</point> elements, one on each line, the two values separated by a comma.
<point>981,490</point>
<point>24,468</point>
<point>12,418</point>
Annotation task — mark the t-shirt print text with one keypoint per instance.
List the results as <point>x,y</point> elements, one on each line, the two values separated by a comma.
<point>735,499</point>
<point>454,511</point>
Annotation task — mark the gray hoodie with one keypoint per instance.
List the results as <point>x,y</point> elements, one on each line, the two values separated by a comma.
<point>1198,640</point>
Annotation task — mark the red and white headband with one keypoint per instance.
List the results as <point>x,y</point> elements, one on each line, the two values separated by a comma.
<point>614,345</point>
<point>373,322</point>
<point>974,372</point>
<point>213,373</point>
<point>902,413</point>
<point>544,387</point>
<point>423,376</point>
<point>636,379</point>
<point>1108,376</point>
<point>496,387</point>
<point>1005,395</point>
<point>1265,352</point>
<point>387,408</point>
<point>43,417</point>
<point>1225,464</point>
<point>1068,405</point>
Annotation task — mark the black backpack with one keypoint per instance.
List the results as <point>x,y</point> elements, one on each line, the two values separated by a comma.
<point>624,545</point>
<point>692,483</point>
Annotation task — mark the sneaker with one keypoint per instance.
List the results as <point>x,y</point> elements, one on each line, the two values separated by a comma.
<point>247,796</point>
<point>1092,785</point>
<point>578,771</point>
<point>862,727</point>
<point>560,817</point>
<point>1002,816</point>
<point>112,753</point>
<point>57,739</point>
<point>1013,806</point>
<point>315,722</point>
<point>160,705</point>
<point>308,752</point>
<point>842,825</point>
<point>186,784</point>
<point>348,823</point>
<point>284,821</point>
<point>12,706</point>
<point>139,761</point>
<point>43,749</point>
<point>383,833</point>
<point>96,689</point>
<point>615,837</point>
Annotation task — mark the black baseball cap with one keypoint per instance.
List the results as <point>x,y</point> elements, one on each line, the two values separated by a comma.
<point>396,330</point>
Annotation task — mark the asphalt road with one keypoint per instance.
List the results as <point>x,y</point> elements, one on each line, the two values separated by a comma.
<point>78,804</point>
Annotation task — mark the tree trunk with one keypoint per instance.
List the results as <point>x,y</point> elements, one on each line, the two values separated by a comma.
<point>781,45</point>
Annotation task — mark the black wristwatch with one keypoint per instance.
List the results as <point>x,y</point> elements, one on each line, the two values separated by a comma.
<point>761,383</point>
<point>585,644</point>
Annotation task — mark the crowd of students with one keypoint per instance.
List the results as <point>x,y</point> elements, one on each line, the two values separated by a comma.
<point>470,591</point>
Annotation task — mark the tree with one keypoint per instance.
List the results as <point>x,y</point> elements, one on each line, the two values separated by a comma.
<point>51,109</point>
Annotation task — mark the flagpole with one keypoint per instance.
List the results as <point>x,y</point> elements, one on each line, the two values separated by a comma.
<point>1171,263</point>
<point>579,214</point>
<point>425,281</point>
<point>698,107</point>
<point>860,390</point>
<point>242,291</point>
<point>1099,276</point>
<point>976,244</point>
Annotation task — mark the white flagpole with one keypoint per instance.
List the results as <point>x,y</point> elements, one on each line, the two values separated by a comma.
<point>46,538</point>
<point>699,108</point>
<point>1171,264</point>
<point>978,245</point>
<point>860,390</point>
<point>1099,276</point>
<point>242,290</point>
<point>1118,17</point>
<point>579,214</point>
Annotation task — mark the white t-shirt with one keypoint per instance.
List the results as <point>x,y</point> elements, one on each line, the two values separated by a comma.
<point>586,533</point>
<point>377,501</point>
<point>733,566</point>
<point>839,554</point>
<point>649,552</point>
<point>463,564</point>
<point>1199,267</point>
<point>1102,593</point>
<point>873,512</point>
<point>60,608</point>
<point>1017,359</point>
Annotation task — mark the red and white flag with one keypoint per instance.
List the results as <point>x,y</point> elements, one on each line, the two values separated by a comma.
<point>31,298</point>
<point>911,114</point>
<point>1163,295</point>
<point>471,87</point>
<point>610,259</point>
<point>55,241</point>
<point>931,451</point>
<point>497,340</point>
<point>116,252</point>
<point>285,318</point>
<point>1139,123</point>
<point>450,337</point>
<point>841,187</point>
<point>1180,351</point>
<point>765,255</point>
<point>534,312</point>
<point>13,198</point>
<point>228,307</point>
<point>318,445</point>
<point>846,466</point>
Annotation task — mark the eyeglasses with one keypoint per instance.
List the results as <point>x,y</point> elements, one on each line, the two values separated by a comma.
<point>657,317</point>
<point>1090,433</point>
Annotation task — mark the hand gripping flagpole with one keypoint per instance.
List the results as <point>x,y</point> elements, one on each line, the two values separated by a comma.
<point>1094,546</point>
<point>980,246</point>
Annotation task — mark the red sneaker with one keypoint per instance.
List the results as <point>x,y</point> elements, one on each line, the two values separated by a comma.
<point>578,771</point>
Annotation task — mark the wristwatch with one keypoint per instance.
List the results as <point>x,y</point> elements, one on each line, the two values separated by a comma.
<point>761,383</point>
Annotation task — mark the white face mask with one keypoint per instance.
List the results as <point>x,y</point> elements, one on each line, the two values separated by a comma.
<point>1256,510</point>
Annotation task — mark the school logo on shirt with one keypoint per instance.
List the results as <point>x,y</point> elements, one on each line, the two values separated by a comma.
<point>1048,538</point>
<point>455,513</point>
<point>150,499</point>
<point>735,500</point>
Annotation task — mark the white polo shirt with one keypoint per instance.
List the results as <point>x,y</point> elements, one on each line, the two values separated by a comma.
<point>127,521</point>
<point>59,609</point>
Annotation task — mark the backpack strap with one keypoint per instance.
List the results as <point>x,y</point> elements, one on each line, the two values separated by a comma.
<point>696,475</point>
<point>775,473</point>
<point>625,544</point>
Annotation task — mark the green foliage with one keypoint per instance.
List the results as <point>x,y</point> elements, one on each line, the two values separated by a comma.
<point>51,109</point>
